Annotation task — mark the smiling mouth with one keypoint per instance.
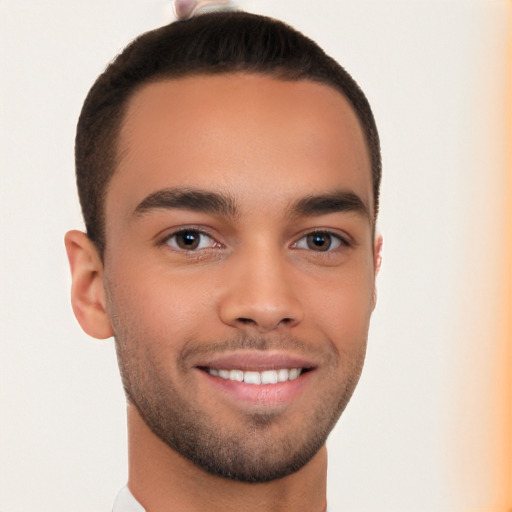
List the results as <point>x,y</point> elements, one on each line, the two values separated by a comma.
<point>258,380</point>
<point>256,377</point>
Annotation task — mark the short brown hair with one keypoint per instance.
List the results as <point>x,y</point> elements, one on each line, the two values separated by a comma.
<point>208,44</point>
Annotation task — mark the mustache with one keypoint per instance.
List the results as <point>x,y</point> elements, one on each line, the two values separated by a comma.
<point>317,352</point>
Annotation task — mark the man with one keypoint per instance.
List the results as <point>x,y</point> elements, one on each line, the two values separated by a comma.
<point>228,172</point>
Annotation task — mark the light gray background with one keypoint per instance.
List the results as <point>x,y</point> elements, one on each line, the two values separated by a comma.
<point>425,430</point>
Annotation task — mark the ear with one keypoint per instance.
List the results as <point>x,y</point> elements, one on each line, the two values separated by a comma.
<point>87,293</point>
<point>377,253</point>
<point>377,262</point>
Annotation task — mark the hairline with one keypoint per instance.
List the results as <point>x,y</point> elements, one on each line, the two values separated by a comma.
<point>292,57</point>
<point>163,78</point>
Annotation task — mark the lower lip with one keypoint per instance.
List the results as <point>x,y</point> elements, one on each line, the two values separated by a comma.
<point>266,395</point>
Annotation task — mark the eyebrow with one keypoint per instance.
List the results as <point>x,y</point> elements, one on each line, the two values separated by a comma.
<point>188,199</point>
<point>333,202</point>
<point>221,204</point>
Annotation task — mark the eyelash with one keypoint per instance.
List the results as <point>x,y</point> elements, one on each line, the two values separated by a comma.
<point>339,241</point>
<point>192,231</point>
<point>342,242</point>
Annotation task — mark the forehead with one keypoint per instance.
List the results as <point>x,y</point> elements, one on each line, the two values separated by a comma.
<point>240,133</point>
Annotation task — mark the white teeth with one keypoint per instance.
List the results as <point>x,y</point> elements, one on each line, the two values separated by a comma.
<point>294,373</point>
<point>237,375</point>
<point>252,377</point>
<point>269,377</point>
<point>224,374</point>
<point>283,375</point>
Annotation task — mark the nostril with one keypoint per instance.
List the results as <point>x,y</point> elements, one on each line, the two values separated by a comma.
<point>246,321</point>
<point>250,321</point>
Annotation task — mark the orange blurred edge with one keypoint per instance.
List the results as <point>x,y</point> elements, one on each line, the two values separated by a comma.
<point>508,391</point>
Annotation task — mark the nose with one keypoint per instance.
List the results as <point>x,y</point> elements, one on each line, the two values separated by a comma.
<point>259,292</point>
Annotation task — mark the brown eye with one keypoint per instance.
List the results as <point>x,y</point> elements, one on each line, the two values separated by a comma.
<point>319,241</point>
<point>190,240</point>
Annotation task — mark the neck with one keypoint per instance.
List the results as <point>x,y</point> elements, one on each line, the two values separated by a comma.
<point>164,481</point>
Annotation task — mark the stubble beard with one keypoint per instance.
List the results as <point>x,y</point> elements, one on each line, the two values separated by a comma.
<point>254,451</point>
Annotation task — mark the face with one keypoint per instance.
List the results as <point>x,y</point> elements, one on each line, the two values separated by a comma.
<point>239,267</point>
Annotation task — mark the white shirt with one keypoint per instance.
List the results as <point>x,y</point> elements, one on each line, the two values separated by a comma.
<point>125,502</point>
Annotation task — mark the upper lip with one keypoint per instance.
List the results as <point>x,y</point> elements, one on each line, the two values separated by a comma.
<point>256,361</point>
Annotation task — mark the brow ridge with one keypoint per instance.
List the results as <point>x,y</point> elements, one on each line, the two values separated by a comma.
<point>212,202</point>
<point>188,199</point>
<point>331,202</point>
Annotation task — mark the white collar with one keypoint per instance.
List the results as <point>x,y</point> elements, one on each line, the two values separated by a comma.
<point>125,502</point>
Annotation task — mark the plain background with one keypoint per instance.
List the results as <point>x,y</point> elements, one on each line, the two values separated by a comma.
<point>429,426</point>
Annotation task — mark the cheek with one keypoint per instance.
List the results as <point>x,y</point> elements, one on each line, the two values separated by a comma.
<point>342,309</point>
<point>159,306</point>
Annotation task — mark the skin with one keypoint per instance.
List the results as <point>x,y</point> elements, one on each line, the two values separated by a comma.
<point>255,284</point>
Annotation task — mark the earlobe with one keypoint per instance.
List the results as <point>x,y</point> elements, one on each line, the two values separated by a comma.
<point>87,292</point>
